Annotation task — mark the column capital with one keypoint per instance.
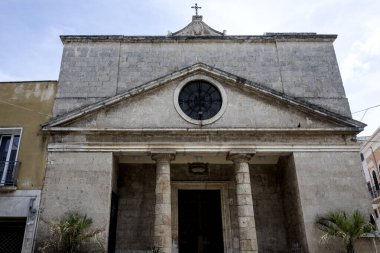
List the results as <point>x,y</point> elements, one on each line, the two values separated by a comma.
<point>163,155</point>
<point>241,155</point>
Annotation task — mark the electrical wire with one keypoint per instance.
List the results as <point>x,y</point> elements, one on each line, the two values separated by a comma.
<point>24,108</point>
<point>366,109</point>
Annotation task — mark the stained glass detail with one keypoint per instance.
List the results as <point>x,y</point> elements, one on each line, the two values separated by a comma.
<point>200,100</point>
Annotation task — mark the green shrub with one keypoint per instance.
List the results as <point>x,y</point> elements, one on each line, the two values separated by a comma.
<point>348,228</point>
<point>69,234</point>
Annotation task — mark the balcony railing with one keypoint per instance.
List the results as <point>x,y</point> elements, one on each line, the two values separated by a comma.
<point>8,173</point>
<point>374,192</point>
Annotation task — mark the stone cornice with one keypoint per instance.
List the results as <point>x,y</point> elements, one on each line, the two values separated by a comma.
<point>207,148</point>
<point>268,37</point>
<point>27,82</point>
<point>195,131</point>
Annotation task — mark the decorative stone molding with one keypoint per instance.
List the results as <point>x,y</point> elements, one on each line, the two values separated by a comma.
<point>243,155</point>
<point>163,156</point>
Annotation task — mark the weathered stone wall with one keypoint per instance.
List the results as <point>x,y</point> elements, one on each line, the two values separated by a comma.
<point>268,208</point>
<point>328,181</point>
<point>304,69</point>
<point>292,205</point>
<point>134,232</point>
<point>80,182</point>
<point>369,244</point>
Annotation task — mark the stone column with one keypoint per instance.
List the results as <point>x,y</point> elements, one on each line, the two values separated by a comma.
<point>247,228</point>
<point>162,237</point>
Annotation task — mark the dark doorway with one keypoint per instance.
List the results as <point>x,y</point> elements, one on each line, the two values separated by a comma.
<point>199,221</point>
<point>11,234</point>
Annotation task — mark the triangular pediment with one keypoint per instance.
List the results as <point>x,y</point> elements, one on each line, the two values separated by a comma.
<point>197,28</point>
<point>250,105</point>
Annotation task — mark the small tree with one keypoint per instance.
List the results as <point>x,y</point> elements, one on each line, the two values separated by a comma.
<point>69,234</point>
<point>348,228</point>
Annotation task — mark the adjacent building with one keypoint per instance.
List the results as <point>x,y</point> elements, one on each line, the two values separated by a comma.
<point>370,156</point>
<point>24,106</point>
<point>202,142</point>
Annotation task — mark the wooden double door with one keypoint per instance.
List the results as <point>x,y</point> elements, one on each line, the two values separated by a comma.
<point>200,221</point>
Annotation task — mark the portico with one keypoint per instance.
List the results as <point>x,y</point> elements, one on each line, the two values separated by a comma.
<point>227,173</point>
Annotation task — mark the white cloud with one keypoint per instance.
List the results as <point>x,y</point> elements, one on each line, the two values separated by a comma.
<point>354,65</point>
<point>371,46</point>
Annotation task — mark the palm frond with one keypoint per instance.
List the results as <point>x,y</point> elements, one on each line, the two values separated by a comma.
<point>70,233</point>
<point>347,228</point>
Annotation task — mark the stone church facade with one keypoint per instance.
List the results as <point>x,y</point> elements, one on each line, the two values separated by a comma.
<point>202,142</point>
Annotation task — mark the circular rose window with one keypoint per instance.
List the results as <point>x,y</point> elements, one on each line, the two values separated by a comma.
<point>200,101</point>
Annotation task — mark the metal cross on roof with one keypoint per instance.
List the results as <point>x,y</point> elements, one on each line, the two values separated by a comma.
<point>196,7</point>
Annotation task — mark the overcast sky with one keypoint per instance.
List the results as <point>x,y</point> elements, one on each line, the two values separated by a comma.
<point>30,48</point>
